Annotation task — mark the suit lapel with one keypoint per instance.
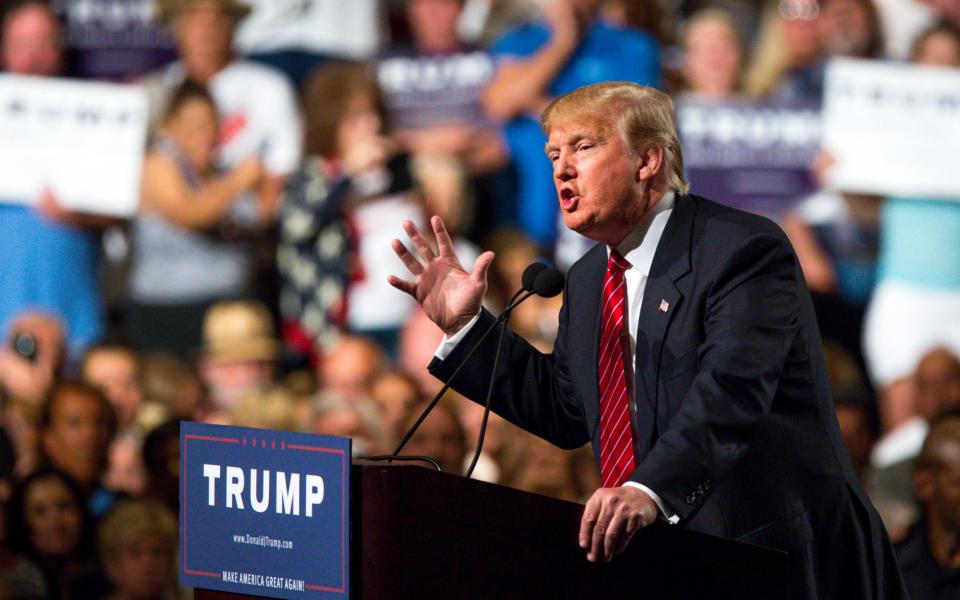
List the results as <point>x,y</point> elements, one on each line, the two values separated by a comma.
<point>661,299</point>
<point>594,269</point>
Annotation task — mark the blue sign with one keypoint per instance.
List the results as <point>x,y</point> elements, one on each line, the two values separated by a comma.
<point>264,512</point>
<point>755,157</point>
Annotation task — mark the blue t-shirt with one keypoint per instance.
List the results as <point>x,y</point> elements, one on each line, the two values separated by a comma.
<point>920,243</point>
<point>49,267</point>
<point>605,53</point>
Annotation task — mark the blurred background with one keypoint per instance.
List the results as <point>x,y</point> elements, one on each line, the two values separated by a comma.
<point>197,199</point>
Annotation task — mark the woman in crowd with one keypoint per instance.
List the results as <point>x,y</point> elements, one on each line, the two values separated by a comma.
<point>48,524</point>
<point>184,256</point>
<point>712,56</point>
<point>340,210</point>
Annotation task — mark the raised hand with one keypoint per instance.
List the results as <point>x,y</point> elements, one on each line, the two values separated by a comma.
<point>448,294</point>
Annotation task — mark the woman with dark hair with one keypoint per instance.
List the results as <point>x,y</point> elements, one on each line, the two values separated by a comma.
<point>48,524</point>
<point>183,258</point>
<point>340,209</point>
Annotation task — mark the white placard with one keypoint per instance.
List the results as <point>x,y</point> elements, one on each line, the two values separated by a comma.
<point>84,141</point>
<point>894,129</point>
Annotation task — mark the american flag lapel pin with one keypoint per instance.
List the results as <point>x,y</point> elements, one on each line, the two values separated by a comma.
<point>664,306</point>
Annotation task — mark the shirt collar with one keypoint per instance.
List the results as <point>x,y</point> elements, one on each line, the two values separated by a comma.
<point>641,244</point>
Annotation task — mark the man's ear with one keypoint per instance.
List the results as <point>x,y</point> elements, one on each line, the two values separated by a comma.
<point>649,163</point>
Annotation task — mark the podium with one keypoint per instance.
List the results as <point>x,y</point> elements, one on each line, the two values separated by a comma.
<point>418,533</point>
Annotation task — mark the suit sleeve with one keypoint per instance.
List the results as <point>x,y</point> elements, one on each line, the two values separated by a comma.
<point>750,321</point>
<point>531,390</point>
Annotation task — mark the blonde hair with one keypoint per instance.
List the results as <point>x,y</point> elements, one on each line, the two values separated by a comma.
<point>646,119</point>
<point>132,520</point>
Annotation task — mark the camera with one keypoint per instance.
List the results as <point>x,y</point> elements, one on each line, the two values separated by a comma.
<point>25,346</point>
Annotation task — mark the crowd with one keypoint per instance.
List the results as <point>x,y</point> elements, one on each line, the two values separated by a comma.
<point>289,140</point>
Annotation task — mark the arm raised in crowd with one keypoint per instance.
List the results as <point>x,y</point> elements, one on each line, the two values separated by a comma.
<point>521,85</point>
<point>165,191</point>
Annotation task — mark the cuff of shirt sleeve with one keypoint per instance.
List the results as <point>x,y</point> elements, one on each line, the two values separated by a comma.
<point>668,515</point>
<point>448,343</point>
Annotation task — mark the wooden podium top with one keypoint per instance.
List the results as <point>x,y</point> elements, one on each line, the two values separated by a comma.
<point>417,533</point>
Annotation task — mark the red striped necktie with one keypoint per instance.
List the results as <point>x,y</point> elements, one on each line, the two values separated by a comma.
<point>616,442</point>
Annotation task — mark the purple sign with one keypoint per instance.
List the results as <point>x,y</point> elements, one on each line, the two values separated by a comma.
<point>755,157</point>
<point>264,512</point>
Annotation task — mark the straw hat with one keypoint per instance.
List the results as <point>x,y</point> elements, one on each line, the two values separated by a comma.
<point>167,9</point>
<point>239,331</point>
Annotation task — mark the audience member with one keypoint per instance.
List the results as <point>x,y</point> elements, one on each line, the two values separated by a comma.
<point>126,473</point>
<point>441,437</point>
<point>712,56</point>
<point>33,356</point>
<point>115,369</point>
<point>351,366</point>
<point>257,105</point>
<point>394,392</point>
<point>184,258</point>
<point>786,60</point>
<point>48,524</point>
<point>915,305</point>
<point>161,456</point>
<point>173,385</point>
<point>929,556</point>
<point>138,548</point>
<point>76,426</point>
<point>49,259</point>
<point>432,90</point>
<point>539,61</point>
<point>938,46</point>
<point>935,390</point>
<point>836,237</point>
<point>340,211</point>
<point>268,408</point>
<point>356,418</point>
<point>240,352</point>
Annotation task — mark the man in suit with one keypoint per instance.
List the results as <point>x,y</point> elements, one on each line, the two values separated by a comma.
<point>687,353</point>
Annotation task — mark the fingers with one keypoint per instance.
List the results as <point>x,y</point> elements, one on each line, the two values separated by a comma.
<point>600,532</point>
<point>419,242</point>
<point>444,243</point>
<point>409,260</point>
<point>588,521</point>
<point>407,287</point>
<point>480,268</point>
<point>632,525</point>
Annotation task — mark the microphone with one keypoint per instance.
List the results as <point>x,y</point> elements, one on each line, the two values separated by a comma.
<point>547,283</point>
<point>534,278</point>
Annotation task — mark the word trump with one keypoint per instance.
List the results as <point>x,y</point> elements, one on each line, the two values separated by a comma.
<point>287,490</point>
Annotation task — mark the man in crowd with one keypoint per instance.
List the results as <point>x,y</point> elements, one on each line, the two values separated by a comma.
<point>77,424</point>
<point>687,352</point>
<point>930,554</point>
<point>539,61</point>
<point>50,258</point>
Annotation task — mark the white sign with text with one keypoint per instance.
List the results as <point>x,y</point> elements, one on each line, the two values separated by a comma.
<point>893,129</point>
<point>84,141</point>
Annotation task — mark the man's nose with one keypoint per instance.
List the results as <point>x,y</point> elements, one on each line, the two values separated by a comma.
<point>563,168</point>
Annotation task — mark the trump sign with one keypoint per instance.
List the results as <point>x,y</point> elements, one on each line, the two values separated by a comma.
<point>264,512</point>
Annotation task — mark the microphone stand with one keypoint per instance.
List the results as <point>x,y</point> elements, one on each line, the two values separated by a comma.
<point>502,319</point>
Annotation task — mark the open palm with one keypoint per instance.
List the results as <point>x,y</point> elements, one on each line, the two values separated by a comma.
<point>448,294</point>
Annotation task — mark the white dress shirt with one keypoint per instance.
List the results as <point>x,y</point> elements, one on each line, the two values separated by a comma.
<point>638,248</point>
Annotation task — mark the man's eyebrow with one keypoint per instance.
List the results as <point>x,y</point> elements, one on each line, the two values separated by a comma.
<point>548,148</point>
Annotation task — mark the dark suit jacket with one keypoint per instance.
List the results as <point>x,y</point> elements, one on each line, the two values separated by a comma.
<point>733,407</point>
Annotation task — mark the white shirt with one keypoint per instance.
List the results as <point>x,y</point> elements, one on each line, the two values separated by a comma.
<point>259,115</point>
<point>638,248</point>
<point>345,28</point>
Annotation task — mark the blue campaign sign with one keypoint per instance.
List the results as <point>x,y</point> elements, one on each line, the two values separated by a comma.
<point>264,512</point>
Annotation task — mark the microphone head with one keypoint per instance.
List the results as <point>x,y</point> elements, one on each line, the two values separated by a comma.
<point>548,283</point>
<point>530,275</point>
